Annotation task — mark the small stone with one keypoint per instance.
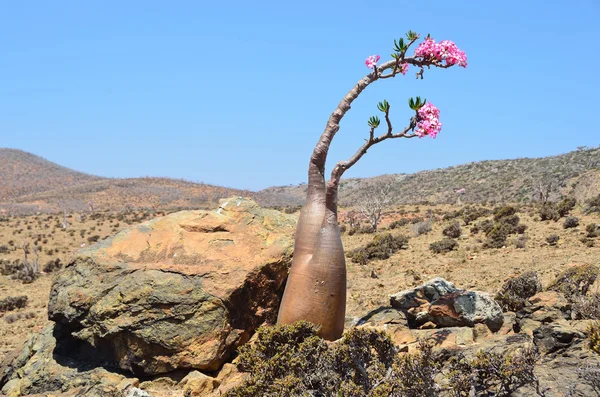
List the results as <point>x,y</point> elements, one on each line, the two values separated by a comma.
<point>480,332</point>
<point>428,325</point>
<point>200,385</point>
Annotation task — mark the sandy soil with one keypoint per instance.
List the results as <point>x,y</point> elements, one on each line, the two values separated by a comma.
<point>369,286</point>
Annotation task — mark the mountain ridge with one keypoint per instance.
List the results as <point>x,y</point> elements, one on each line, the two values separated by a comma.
<point>30,183</point>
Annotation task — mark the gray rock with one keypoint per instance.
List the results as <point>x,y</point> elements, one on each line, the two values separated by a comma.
<point>552,338</point>
<point>440,302</point>
<point>39,367</point>
<point>430,291</point>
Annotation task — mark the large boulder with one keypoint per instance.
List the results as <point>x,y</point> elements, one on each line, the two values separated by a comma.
<point>180,291</point>
<point>439,302</point>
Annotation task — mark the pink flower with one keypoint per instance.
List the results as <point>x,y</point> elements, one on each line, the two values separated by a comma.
<point>371,61</point>
<point>428,123</point>
<point>443,51</point>
<point>461,191</point>
<point>404,68</point>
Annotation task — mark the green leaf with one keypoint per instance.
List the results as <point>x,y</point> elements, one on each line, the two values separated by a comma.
<point>383,106</point>
<point>374,122</point>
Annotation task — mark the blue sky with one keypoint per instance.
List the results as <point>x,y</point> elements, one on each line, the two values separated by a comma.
<point>237,93</point>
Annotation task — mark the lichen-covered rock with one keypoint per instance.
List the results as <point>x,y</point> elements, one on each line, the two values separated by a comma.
<point>440,302</point>
<point>466,308</point>
<point>39,367</point>
<point>181,291</point>
<point>423,294</point>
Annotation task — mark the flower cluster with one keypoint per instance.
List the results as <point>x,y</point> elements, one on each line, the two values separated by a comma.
<point>371,61</point>
<point>428,121</point>
<point>403,68</point>
<point>443,51</point>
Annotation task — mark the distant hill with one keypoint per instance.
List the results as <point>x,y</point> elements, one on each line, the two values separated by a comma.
<point>23,173</point>
<point>494,180</point>
<point>29,183</point>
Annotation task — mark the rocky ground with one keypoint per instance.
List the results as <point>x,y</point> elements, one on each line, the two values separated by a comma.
<point>156,301</point>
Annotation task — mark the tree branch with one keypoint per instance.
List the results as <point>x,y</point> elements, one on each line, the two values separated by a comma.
<point>319,154</point>
<point>342,166</point>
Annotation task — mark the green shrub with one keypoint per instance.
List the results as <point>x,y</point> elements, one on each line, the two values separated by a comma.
<point>565,206</point>
<point>514,293</point>
<point>575,280</point>
<point>291,360</point>
<point>452,231</point>
<point>548,211</point>
<point>472,214</point>
<point>502,212</point>
<point>571,222</point>
<point>588,242</point>
<point>382,247</point>
<point>444,245</point>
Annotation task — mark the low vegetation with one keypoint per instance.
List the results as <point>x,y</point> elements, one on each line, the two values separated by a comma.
<point>382,246</point>
<point>514,293</point>
<point>442,246</point>
<point>291,360</point>
<point>13,303</point>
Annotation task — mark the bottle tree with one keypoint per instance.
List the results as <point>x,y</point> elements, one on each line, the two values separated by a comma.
<point>316,286</point>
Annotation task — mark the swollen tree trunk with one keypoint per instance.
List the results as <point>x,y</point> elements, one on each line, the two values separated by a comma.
<point>316,286</point>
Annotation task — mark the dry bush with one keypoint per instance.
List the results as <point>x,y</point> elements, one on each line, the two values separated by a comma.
<point>8,268</point>
<point>575,280</point>
<point>520,242</point>
<point>13,317</point>
<point>594,337</point>
<point>493,374</point>
<point>547,211</point>
<point>514,293</point>
<point>590,375</point>
<point>585,307</point>
<point>382,246</point>
<point>291,360</point>
<point>12,303</point>
<point>553,239</point>
<point>444,245</point>
<point>565,206</point>
<point>592,230</point>
<point>420,228</point>
<point>452,231</point>
<point>52,265</point>
<point>593,205</point>
<point>471,214</point>
<point>570,222</point>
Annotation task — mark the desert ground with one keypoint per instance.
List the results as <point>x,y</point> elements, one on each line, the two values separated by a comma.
<point>470,265</point>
